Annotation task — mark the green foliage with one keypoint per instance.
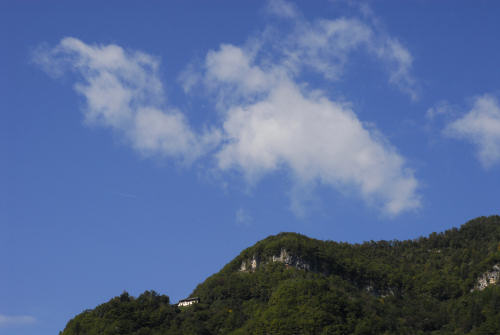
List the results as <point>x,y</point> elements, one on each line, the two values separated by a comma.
<point>420,286</point>
<point>125,315</point>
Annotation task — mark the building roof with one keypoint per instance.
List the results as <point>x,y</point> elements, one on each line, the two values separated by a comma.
<point>189,299</point>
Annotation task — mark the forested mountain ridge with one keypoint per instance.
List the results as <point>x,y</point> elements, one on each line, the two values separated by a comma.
<point>292,284</point>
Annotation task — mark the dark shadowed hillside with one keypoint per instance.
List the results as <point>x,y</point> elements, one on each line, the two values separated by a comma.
<point>291,284</point>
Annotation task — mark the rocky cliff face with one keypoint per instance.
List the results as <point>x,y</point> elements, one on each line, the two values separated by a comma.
<point>250,265</point>
<point>290,260</point>
<point>488,278</point>
<point>284,257</point>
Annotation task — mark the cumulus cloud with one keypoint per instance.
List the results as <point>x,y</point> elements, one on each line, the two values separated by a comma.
<point>316,139</point>
<point>268,119</point>
<point>233,66</point>
<point>123,91</point>
<point>8,320</point>
<point>481,126</point>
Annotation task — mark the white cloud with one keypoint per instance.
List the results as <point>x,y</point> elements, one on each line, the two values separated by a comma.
<point>156,132</point>
<point>243,218</point>
<point>481,126</point>
<point>8,320</point>
<point>302,131</point>
<point>319,141</point>
<point>268,119</point>
<point>392,51</point>
<point>440,109</point>
<point>232,65</point>
<point>282,8</point>
<point>189,78</point>
<point>326,46</point>
<point>273,122</point>
<point>123,91</point>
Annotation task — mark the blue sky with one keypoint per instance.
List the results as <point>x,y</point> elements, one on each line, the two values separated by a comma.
<point>145,145</point>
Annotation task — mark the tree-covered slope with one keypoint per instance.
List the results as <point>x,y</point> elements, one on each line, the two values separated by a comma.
<point>292,284</point>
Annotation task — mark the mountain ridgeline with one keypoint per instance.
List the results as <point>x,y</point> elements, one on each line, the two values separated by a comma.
<point>445,283</point>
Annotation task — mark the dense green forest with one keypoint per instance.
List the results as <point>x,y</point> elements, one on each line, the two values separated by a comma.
<point>422,286</point>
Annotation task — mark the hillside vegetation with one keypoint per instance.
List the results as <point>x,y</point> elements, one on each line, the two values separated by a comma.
<point>422,286</point>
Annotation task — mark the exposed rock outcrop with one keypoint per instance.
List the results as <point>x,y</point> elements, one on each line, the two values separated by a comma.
<point>284,257</point>
<point>488,278</point>
<point>250,265</point>
<point>290,260</point>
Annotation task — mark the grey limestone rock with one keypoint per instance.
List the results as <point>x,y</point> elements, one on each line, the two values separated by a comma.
<point>488,278</point>
<point>284,257</point>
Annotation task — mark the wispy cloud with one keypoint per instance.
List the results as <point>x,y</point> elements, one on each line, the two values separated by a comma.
<point>243,218</point>
<point>326,46</point>
<point>269,118</point>
<point>481,126</point>
<point>8,320</point>
<point>126,195</point>
<point>442,108</point>
<point>282,8</point>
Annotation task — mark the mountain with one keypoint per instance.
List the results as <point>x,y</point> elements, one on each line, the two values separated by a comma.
<point>292,284</point>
